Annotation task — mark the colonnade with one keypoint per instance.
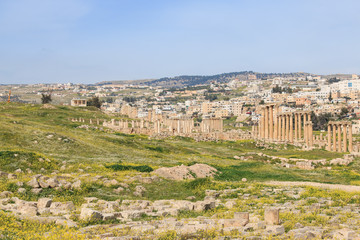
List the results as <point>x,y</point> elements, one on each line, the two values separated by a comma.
<point>124,124</point>
<point>290,127</point>
<point>340,136</point>
<point>180,125</point>
<point>208,125</point>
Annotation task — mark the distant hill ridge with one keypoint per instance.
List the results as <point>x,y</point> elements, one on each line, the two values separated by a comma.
<point>188,80</point>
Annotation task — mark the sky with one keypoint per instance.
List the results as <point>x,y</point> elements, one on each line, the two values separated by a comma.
<point>88,41</point>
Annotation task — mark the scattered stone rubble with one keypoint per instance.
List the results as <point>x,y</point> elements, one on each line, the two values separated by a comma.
<point>186,172</point>
<point>260,220</point>
<point>308,164</point>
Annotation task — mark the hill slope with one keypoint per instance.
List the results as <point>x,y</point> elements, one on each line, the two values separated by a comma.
<point>48,132</point>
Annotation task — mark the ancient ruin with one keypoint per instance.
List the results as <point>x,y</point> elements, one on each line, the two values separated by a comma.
<point>297,128</point>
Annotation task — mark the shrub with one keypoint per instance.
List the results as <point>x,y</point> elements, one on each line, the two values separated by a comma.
<point>121,167</point>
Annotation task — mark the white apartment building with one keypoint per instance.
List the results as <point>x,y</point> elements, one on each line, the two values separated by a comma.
<point>346,86</point>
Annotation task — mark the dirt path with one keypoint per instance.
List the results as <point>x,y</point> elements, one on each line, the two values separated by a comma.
<point>346,188</point>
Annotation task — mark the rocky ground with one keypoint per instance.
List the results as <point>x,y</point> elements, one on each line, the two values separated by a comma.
<point>251,211</point>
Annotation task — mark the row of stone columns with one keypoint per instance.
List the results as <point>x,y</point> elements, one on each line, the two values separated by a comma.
<point>340,136</point>
<point>285,126</point>
<point>185,125</point>
<point>125,124</point>
<point>91,121</point>
<point>289,127</point>
<point>211,125</point>
<point>266,130</point>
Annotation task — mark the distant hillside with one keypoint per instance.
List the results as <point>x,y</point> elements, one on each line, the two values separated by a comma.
<point>185,80</point>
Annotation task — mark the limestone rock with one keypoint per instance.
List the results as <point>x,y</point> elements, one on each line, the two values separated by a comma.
<point>12,176</point>
<point>5,194</point>
<point>89,214</point>
<point>76,185</point>
<point>118,190</point>
<point>21,190</point>
<point>185,172</point>
<point>272,216</point>
<point>36,190</point>
<point>33,183</point>
<point>44,202</point>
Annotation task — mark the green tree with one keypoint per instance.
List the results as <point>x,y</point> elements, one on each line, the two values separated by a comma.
<point>46,97</point>
<point>95,102</point>
<point>344,112</point>
<point>330,97</point>
<point>211,97</point>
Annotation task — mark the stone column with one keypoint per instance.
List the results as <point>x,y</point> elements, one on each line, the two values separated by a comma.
<point>304,115</point>
<point>296,126</point>
<point>310,134</point>
<point>279,127</point>
<point>306,134</point>
<point>350,138</point>
<point>271,108</point>
<point>299,126</point>
<point>329,137</point>
<point>287,121</point>
<point>283,119</point>
<point>334,137</point>
<point>339,137</point>
<point>266,123</point>
<point>262,123</point>
<point>291,129</point>
<point>345,137</point>
<point>276,127</point>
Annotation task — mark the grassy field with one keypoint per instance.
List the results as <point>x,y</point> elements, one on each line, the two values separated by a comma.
<point>34,130</point>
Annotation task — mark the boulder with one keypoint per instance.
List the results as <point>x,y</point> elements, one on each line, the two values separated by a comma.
<point>21,190</point>
<point>33,183</point>
<point>36,190</point>
<point>76,185</point>
<point>28,208</point>
<point>53,183</point>
<point>44,202</point>
<point>242,217</point>
<point>118,190</point>
<point>139,191</point>
<point>12,176</point>
<point>5,194</point>
<point>89,214</point>
<point>66,222</point>
<point>186,172</point>
<point>43,182</point>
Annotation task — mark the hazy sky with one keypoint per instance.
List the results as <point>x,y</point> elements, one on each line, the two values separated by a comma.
<point>97,40</point>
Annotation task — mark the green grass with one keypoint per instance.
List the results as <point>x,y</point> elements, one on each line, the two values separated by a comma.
<point>12,160</point>
<point>33,132</point>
